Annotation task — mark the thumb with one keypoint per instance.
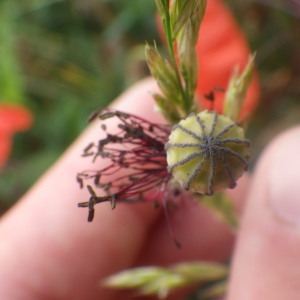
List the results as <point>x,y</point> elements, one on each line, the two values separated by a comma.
<point>266,262</point>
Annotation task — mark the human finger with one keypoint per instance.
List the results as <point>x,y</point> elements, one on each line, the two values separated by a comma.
<point>202,235</point>
<point>48,250</point>
<point>266,263</point>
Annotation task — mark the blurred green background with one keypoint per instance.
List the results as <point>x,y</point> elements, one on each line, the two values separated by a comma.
<point>68,58</point>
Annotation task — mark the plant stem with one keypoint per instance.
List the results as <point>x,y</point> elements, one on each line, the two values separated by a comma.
<point>186,105</point>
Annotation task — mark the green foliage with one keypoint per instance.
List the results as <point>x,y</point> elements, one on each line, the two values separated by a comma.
<point>237,89</point>
<point>161,281</point>
<point>63,60</point>
<point>177,76</point>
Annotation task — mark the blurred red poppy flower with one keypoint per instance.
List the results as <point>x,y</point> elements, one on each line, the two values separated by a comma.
<point>222,46</point>
<point>13,118</point>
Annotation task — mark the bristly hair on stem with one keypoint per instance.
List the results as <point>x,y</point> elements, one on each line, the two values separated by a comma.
<point>177,75</point>
<point>137,160</point>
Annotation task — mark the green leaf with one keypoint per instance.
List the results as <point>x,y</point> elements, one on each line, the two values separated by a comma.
<point>161,281</point>
<point>237,89</point>
<point>133,278</point>
<point>201,271</point>
<point>213,291</point>
<point>162,7</point>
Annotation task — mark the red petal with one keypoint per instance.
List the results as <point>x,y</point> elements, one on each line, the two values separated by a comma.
<point>13,118</point>
<point>222,46</point>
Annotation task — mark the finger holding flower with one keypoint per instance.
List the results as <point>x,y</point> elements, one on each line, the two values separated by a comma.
<point>70,255</point>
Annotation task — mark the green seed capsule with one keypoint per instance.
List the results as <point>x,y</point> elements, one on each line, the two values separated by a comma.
<point>207,153</point>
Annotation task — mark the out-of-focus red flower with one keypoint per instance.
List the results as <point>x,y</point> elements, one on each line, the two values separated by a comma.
<point>221,46</point>
<point>13,118</point>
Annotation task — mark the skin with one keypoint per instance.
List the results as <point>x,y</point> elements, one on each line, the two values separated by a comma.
<point>49,251</point>
<point>266,259</point>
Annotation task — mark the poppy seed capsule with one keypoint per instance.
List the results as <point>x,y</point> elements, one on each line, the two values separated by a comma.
<point>207,153</point>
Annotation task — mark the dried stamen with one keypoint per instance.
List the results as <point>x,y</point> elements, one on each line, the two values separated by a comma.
<point>137,149</point>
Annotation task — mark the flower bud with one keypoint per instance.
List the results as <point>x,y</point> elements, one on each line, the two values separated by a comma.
<point>207,153</point>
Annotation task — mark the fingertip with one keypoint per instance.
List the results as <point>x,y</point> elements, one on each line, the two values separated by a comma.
<point>266,257</point>
<point>49,249</point>
<point>202,235</point>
